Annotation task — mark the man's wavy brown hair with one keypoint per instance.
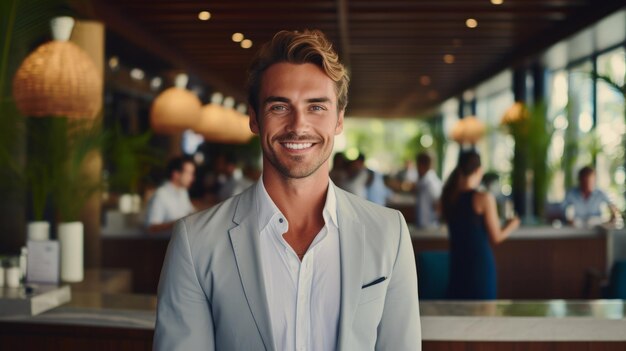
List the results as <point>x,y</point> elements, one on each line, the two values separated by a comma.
<point>308,46</point>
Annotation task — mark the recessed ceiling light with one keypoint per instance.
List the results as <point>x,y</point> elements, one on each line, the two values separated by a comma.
<point>246,43</point>
<point>114,62</point>
<point>237,37</point>
<point>448,58</point>
<point>497,2</point>
<point>137,74</point>
<point>425,80</point>
<point>156,82</point>
<point>471,23</point>
<point>204,15</point>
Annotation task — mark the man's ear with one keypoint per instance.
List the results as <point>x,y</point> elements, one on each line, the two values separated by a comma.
<point>254,123</point>
<point>339,126</point>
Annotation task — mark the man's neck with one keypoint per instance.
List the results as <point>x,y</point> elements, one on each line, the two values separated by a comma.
<point>175,185</point>
<point>300,200</point>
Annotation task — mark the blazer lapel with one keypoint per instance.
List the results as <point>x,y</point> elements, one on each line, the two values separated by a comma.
<point>351,251</point>
<point>245,241</point>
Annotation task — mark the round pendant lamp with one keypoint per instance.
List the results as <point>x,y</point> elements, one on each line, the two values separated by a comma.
<point>175,109</point>
<point>468,130</point>
<point>58,78</point>
<point>223,124</point>
<point>517,112</point>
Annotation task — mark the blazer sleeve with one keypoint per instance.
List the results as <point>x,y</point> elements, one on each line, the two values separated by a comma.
<point>400,328</point>
<point>184,320</point>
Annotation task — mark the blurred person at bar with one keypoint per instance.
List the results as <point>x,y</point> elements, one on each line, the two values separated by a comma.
<point>427,193</point>
<point>473,227</point>
<point>339,173</point>
<point>170,201</point>
<point>293,262</point>
<point>582,206</point>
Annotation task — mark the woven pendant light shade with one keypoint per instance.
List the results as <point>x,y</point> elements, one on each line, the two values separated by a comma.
<point>175,110</point>
<point>58,79</point>
<point>223,125</point>
<point>468,130</point>
<point>516,113</point>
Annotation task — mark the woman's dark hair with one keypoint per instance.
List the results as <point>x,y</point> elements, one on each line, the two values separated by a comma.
<point>469,162</point>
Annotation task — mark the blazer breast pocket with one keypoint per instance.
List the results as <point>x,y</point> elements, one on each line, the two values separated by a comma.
<point>373,292</point>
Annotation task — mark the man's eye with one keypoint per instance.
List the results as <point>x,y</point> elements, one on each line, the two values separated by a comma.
<point>318,108</point>
<point>278,108</point>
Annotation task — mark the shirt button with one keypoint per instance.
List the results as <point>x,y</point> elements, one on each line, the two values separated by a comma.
<point>280,220</point>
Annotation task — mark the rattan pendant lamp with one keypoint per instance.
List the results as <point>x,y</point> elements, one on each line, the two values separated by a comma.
<point>58,78</point>
<point>468,130</point>
<point>223,124</point>
<point>175,109</point>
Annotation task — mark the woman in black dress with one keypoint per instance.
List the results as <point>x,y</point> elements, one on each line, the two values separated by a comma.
<point>473,227</point>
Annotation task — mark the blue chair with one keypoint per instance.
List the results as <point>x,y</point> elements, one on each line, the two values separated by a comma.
<point>432,274</point>
<point>617,282</point>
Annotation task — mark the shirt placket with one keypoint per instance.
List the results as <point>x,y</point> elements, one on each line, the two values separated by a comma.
<point>303,303</point>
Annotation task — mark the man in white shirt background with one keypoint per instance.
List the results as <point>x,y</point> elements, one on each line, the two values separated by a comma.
<point>427,193</point>
<point>170,201</point>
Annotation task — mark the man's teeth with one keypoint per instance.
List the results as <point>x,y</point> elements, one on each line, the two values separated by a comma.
<point>298,146</point>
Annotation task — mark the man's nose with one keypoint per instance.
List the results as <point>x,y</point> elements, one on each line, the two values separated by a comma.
<point>297,122</point>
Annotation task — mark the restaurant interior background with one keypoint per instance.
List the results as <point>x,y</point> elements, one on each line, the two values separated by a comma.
<point>419,71</point>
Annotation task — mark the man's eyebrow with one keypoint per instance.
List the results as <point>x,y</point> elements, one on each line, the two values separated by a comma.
<point>286,100</point>
<point>276,99</point>
<point>321,99</point>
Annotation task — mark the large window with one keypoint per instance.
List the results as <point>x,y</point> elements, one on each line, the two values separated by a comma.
<point>557,107</point>
<point>611,128</point>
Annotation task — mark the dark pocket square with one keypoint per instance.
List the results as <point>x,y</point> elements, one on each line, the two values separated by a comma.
<point>379,280</point>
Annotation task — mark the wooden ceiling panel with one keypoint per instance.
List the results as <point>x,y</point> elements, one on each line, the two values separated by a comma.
<point>388,45</point>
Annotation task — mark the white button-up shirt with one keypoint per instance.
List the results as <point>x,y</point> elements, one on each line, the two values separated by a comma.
<point>428,192</point>
<point>169,203</point>
<point>303,296</point>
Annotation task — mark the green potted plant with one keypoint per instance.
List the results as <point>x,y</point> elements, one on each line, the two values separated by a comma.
<point>130,159</point>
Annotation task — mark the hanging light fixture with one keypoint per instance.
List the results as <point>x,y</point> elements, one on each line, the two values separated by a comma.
<point>516,113</point>
<point>468,130</point>
<point>175,109</point>
<point>58,78</point>
<point>223,124</point>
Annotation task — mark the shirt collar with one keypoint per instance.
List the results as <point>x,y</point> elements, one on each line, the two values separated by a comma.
<point>267,209</point>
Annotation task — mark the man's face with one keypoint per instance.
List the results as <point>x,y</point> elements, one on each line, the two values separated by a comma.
<point>422,169</point>
<point>588,183</point>
<point>297,119</point>
<point>186,176</point>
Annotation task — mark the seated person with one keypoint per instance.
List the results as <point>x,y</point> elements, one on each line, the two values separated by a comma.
<point>170,201</point>
<point>582,205</point>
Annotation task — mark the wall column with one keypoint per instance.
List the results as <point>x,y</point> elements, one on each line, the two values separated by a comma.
<point>90,36</point>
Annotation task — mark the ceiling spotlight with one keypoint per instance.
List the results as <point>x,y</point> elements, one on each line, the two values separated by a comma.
<point>204,15</point>
<point>137,74</point>
<point>246,43</point>
<point>237,37</point>
<point>114,62</point>
<point>497,2</point>
<point>471,23</point>
<point>449,59</point>
<point>425,80</point>
<point>156,83</point>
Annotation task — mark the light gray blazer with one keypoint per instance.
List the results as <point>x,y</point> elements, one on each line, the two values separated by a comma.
<point>212,295</point>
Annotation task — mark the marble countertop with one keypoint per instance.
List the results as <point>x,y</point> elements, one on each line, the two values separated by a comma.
<point>553,320</point>
<point>523,233</point>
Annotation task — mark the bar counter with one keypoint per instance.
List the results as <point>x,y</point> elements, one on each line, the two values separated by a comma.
<point>94,321</point>
<point>542,262</point>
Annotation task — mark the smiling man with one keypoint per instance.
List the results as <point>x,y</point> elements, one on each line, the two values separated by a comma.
<point>292,263</point>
